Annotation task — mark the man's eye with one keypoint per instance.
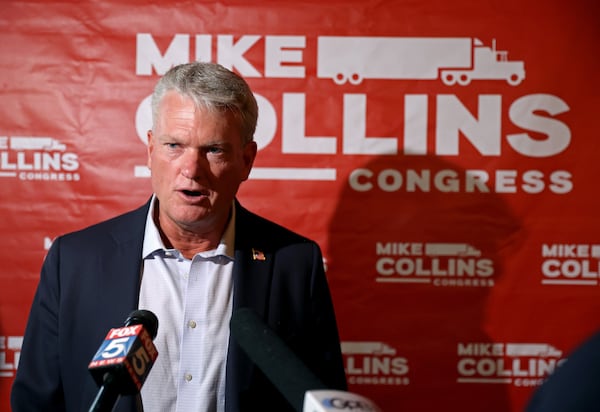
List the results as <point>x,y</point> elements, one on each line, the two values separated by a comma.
<point>214,150</point>
<point>172,145</point>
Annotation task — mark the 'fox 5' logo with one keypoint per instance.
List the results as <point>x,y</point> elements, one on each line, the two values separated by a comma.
<point>114,348</point>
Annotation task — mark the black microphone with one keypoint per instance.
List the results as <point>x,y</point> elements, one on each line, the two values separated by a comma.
<point>273,357</point>
<point>124,359</point>
<point>300,387</point>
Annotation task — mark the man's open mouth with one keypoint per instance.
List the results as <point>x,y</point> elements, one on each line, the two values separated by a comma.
<point>191,192</point>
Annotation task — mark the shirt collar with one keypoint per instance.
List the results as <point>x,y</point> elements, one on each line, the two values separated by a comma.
<point>153,241</point>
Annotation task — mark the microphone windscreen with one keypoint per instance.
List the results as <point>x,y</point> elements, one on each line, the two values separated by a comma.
<point>273,357</point>
<point>126,354</point>
<point>146,318</point>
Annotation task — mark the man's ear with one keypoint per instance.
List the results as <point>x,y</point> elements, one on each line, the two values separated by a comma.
<point>150,148</point>
<point>250,150</point>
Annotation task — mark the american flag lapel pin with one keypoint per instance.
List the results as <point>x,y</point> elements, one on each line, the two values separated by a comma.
<point>258,255</point>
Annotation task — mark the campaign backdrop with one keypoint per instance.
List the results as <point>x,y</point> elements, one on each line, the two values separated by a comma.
<point>444,155</point>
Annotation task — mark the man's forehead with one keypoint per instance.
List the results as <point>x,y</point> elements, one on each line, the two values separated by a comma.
<point>175,101</point>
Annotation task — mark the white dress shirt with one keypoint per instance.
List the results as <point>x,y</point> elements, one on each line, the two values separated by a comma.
<point>192,300</point>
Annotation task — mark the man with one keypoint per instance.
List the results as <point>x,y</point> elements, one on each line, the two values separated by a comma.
<point>192,255</point>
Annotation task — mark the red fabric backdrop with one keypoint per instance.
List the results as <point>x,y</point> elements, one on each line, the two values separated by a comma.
<point>459,222</point>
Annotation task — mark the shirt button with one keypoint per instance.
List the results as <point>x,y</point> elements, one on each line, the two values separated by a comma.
<point>188,377</point>
<point>192,324</point>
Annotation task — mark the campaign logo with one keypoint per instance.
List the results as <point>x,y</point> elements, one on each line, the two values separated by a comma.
<point>437,264</point>
<point>129,353</point>
<point>352,61</point>
<point>37,158</point>
<point>333,400</point>
<point>10,351</point>
<point>116,346</point>
<point>348,402</point>
<point>517,364</point>
<point>374,363</point>
<point>570,264</point>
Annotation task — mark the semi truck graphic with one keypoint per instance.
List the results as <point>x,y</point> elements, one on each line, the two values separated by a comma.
<point>451,249</point>
<point>366,348</point>
<point>532,349</point>
<point>36,143</point>
<point>456,60</point>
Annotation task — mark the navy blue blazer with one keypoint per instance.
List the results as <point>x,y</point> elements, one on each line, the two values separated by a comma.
<point>575,385</point>
<point>90,282</point>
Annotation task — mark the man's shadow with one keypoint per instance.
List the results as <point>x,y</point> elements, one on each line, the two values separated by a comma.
<point>379,239</point>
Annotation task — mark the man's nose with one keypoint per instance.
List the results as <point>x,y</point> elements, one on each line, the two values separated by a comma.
<point>193,162</point>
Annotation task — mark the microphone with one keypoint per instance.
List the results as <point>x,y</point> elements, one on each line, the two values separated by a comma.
<point>300,387</point>
<point>124,359</point>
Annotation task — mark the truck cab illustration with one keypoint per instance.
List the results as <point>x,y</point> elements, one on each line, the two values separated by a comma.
<point>488,64</point>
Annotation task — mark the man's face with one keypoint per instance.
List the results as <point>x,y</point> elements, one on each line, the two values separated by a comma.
<point>197,162</point>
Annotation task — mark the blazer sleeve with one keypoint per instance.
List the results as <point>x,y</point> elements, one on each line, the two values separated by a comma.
<point>89,282</point>
<point>328,362</point>
<point>572,386</point>
<point>37,385</point>
<point>302,311</point>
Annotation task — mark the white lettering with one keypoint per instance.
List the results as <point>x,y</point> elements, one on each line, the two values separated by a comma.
<point>293,132</point>
<point>284,49</point>
<point>355,126</point>
<point>523,113</point>
<point>148,55</point>
<point>231,55</point>
<point>453,118</point>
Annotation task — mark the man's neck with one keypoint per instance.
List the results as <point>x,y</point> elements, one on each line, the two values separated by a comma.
<point>189,241</point>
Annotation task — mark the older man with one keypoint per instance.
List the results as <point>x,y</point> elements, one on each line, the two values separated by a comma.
<point>192,255</point>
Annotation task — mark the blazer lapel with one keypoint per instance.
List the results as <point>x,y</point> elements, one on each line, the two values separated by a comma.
<point>116,282</point>
<point>124,266</point>
<point>251,283</point>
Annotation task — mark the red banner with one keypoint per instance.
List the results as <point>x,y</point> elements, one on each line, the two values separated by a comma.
<point>443,155</point>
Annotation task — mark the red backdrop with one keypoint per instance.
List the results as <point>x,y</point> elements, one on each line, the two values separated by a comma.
<point>443,154</point>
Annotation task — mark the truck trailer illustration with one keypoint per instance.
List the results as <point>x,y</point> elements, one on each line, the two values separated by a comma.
<point>36,143</point>
<point>532,349</point>
<point>366,348</point>
<point>451,249</point>
<point>454,60</point>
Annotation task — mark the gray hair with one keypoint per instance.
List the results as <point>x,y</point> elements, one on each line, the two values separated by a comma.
<point>213,87</point>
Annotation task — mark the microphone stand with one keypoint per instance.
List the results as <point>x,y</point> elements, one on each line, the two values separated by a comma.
<point>107,396</point>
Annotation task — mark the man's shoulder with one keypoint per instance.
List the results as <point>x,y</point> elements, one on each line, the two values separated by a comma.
<point>572,386</point>
<point>253,225</point>
<point>124,225</point>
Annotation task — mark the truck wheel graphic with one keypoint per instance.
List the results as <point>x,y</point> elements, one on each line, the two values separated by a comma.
<point>514,79</point>
<point>448,78</point>
<point>342,78</point>
<point>451,78</point>
<point>355,79</point>
<point>464,79</point>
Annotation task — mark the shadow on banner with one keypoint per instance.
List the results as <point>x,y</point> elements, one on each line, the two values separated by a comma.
<point>412,258</point>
